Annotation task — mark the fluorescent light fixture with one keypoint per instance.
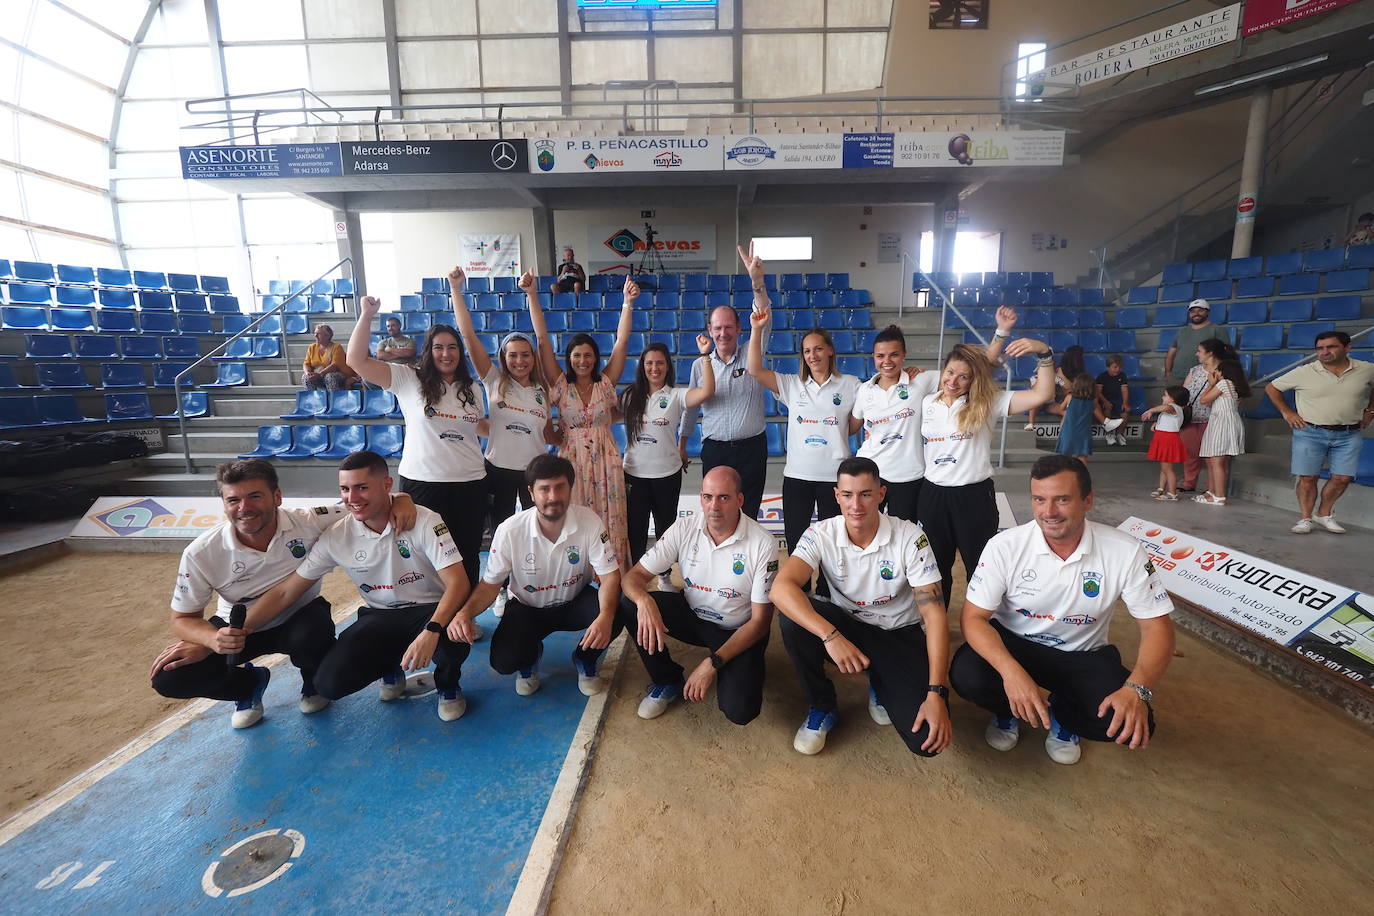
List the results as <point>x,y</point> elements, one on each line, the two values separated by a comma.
<point>1263,74</point>
<point>783,247</point>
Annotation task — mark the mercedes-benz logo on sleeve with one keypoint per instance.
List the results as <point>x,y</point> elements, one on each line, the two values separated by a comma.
<point>503,156</point>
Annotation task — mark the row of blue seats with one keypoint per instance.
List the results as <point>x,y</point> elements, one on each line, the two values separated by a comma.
<point>17,318</point>
<point>1299,336</point>
<point>36,294</point>
<point>1275,265</point>
<point>594,302</point>
<point>141,346</point>
<point>609,320</point>
<point>303,305</point>
<point>112,375</point>
<point>1097,341</point>
<point>341,286</point>
<point>62,409</point>
<point>1032,279</point>
<point>41,272</point>
<point>605,283</point>
<point>373,403</point>
<point>1303,284</point>
<point>1015,295</point>
<point>230,374</point>
<point>1031,318</point>
<point>1329,308</point>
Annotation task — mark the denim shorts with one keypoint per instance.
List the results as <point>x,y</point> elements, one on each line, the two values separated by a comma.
<point>1312,446</point>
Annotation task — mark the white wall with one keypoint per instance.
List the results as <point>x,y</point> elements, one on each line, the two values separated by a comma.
<point>1316,231</point>
<point>426,244</point>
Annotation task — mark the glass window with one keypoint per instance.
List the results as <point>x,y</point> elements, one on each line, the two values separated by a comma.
<point>290,262</point>
<point>783,66</point>
<point>854,61</point>
<point>503,17</point>
<point>17,241</point>
<point>178,22</point>
<point>9,193</point>
<point>520,62</point>
<point>286,220</point>
<point>439,65</point>
<point>178,223</point>
<point>62,206</point>
<point>377,227</point>
<point>346,66</point>
<point>769,14</point>
<point>693,60</point>
<point>1030,58</point>
<point>844,13</point>
<point>266,68</point>
<point>600,61</point>
<point>62,249</point>
<point>62,152</point>
<point>344,19</point>
<point>52,92</point>
<point>119,16</point>
<point>381,273</point>
<point>436,17</point>
<point>783,247</point>
<point>248,20</point>
<point>9,72</point>
<point>64,39</point>
<point>153,125</point>
<point>161,73</point>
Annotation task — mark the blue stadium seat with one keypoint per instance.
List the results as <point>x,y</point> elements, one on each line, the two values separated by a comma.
<point>1176,292</point>
<point>61,375</point>
<point>484,302</point>
<point>796,300</point>
<point>439,285</point>
<point>279,287</point>
<point>1268,363</point>
<point>415,322</point>
<point>1279,264</point>
<point>859,366</point>
<point>224,305</point>
<point>1360,256</point>
<point>29,293</point>
<point>1132,369</point>
<point>1303,336</point>
<point>115,298</point>
<point>1122,342</point>
<point>272,441</point>
<point>121,322</point>
<point>1093,341</point>
<point>864,341</point>
<point>265,348</point>
<point>1093,363</point>
<point>122,375</point>
<point>309,404</point>
<point>718,283</point>
<point>663,320</point>
<point>556,322</point>
<point>604,342</point>
<point>858,319</point>
<point>715,300</point>
<point>321,287</point>
<point>1064,318</point>
<point>1062,340</point>
<point>1170,316</point>
<point>54,409</point>
<point>306,441</point>
<point>563,301</point>
<point>428,303</point>
<point>150,279</point>
<point>815,281</point>
<point>1241,268</point>
<point>1218,312</point>
<point>1254,288</point>
<point>1248,312</point>
<point>694,283</point>
<point>376,403</point>
<point>502,322</point>
<point>821,299</point>
<point>344,440</point>
<point>7,380</point>
<point>581,321</point>
<point>411,304</point>
<point>342,405</point>
<point>183,283</point>
<point>319,305</point>
<point>113,276</point>
<point>64,319</point>
<point>740,283</point>
<point>75,295</point>
<point>214,284</point>
<point>1287,310</point>
<point>693,300</point>
<point>33,270</point>
<point>1092,318</point>
<point>1143,295</point>
<point>837,281</point>
<point>831,319</point>
<point>773,434</point>
<point>591,301</point>
<point>47,346</point>
<point>229,375</point>
<point>1300,284</point>
<point>1177,273</point>
<point>165,375</point>
<point>181,348</point>
<point>1215,289</point>
<point>1090,297</point>
<point>1128,318</point>
<point>386,441</point>
<point>691,321</point>
<point>148,322</point>
<point>186,324</point>
<point>1209,270</point>
<point>295,324</point>
<point>791,282</point>
<point>193,404</point>
<point>1338,308</point>
<point>786,365</point>
<point>843,341</point>
<point>133,347</point>
<point>1321,261</point>
<point>18,413</point>
<point>95,346</point>
<point>1262,337</point>
<point>1348,281</point>
<point>152,300</point>
<point>237,324</point>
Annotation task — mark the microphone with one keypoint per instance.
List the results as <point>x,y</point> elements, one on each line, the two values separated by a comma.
<point>237,615</point>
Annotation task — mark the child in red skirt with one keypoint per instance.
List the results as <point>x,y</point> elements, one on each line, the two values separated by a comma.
<point>1167,447</point>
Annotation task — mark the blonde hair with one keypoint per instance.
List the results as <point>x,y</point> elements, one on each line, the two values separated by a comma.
<point>805,370</point>
<point>981,393</point>
<point>535,375</point>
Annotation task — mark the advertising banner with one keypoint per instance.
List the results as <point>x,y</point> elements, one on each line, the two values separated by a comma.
<point>1130,429</point>
<point>1268,14</point>
<point>625,154</point>
<point>767,152</point>
<point>432,157</point>
<point>493,255</point>
<point>1326,623</point>
<point>868,151</point>
<point>278,160</point>
<point>1198,33</point>
<point>979,149</point>
<point>184,517</point>
<point>624,244</point>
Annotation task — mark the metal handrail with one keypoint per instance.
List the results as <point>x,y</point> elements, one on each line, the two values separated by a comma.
<point>1303,360</point>
<point>189,371</point>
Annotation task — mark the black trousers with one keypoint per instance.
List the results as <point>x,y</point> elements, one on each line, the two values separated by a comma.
<point>519,638</point>
<point>644,495</point>
<point>799,497</point>
<point>747,456</point>
<point>902,498</point>
<point>306,636</point>
<point>962,518</point>
<point>505,487</point>
<point>739,685</point>
<point>372,647</point>
<point>898,667</point>
<point>458,504</point>
<point>1078,682</point>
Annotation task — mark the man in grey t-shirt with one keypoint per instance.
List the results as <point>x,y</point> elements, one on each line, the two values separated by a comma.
<point>1199,328</point>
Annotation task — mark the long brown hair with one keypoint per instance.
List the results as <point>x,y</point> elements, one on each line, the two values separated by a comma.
<point>805,370</point>
<point>981,393</point>
<point>432,387</point>
<point>536,376</point>
<point>636,394</point>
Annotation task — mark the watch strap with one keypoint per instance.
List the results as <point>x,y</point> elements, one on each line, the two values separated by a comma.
<point>434,626</point>
<point>717,662</point>
<point>1145,693</point>
<point>940,689</point>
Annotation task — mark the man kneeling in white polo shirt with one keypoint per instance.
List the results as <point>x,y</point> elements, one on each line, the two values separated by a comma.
<point>728,563</point>
<point>549,552</point>
<point>884,585</point>
<point>1036,617</point>
<point>411,586</point>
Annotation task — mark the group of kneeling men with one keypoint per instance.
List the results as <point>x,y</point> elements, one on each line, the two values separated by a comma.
<point>1035,617</point>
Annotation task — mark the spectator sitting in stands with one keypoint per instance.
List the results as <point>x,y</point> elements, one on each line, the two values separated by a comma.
<point>1363,233</point>
<point>396,347</point>
<point>571,277</point>
<point>1198,329</point>
<point>324,365</point>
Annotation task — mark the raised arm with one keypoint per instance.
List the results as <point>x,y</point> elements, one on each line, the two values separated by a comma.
<point>548,360</point>
<point>481,359</point>
<point>1006,320</point>
<point>1042,392</point>
<point>621,348</point>
<point>759,322</point>
<point>361,361</point>
<point>707,388</point>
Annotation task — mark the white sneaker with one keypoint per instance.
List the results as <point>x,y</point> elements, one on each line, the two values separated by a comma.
<point>498,607</point>
<point>312,703</point>
<point>1120,439</point>
<point>587,681</point>
<point>1062,745</point>
<point>1329,523</point>
<point>452,705</point>
<point>810,738</point>
<point>1304,526</point>
<point>393,686</point>
<point>658,699</point>
<point>876,711</point>
<point>1111,425</point>
<point>249,712</point>
<point>1003,734</point>
<point>527,684</point>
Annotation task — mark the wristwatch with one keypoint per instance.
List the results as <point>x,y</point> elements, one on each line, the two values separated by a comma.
<point>717,662</point>
<point>940,690</point>
<point>434,626</point>
<point>1144,692</point>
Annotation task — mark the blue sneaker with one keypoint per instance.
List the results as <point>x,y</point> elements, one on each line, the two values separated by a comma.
<point>1002,733</point>
<point>658,699</point>
<point>393,685</point>
<point>249,712</point>
<point>810,738</point>
<point>587,681</point>
<point>527,679</point>
<point>875,709</point>
<point>1062,744</point>
<point>311,701</point>
<point>452,704</point>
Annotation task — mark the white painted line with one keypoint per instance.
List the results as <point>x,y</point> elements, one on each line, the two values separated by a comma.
<point>532,891</point>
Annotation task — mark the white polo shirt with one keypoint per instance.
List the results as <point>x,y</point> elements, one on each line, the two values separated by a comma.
<point>817,424</point>
<point>1066,604</point>
<point>390,570</point>
<point>892,419</point>
<point>217,563</point>
<point>955,459</point>
<point>723,580</point>
<point>872,584</point>
<point>544,573</point>
<point>441,441</point>
<point>517,421</point>
<point>653,452</point>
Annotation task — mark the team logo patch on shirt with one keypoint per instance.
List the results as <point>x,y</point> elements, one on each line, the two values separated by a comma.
<point>885,569</point>
<point>440,529</point>
<point>539,397</point>
<point>835,400</point>
<point>403,547</point>
<point>1149,568</point>
<point>922,541</point>
<point>574,556</point>
<point>901,393</point>
<point>321,510</point>
<point>605,536</point>
<point>295,545</point>
<point>662,403</point>
<point>772,566</point>
<point>1092,584</point>
<point>738,565</point>
<point>430,412</point>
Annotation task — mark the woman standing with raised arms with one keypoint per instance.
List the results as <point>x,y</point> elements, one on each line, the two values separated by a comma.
<point>584,394</point>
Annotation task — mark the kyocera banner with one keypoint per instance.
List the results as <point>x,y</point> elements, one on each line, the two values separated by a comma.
<point>624,244</point>
<point>1328,624</point>
<point>1269,14</point>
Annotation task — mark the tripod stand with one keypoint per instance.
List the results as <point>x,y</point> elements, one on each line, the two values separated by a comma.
<point>650,261</point>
